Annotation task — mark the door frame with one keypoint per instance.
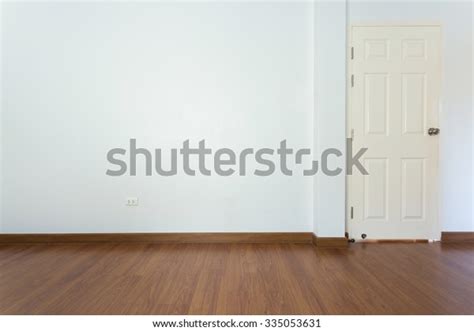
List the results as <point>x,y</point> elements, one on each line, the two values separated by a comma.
<point>436,226</point>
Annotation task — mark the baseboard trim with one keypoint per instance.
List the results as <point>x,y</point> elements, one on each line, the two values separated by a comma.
<point>330,242</point>
<point>393,241</point>
<point>457,237</point>
<point>171,238</point>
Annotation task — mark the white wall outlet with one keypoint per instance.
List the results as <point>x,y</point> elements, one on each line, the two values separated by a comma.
<point>131,201</point>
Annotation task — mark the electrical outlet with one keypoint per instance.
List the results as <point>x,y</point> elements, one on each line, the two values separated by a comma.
<point>132,201</point>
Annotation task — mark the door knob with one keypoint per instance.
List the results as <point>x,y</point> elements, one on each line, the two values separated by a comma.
<point>433,131</point>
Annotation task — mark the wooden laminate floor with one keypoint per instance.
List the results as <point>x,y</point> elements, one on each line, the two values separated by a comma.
<point>236,279</point>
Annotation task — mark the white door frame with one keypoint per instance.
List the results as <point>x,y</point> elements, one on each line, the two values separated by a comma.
<point>349,69</point>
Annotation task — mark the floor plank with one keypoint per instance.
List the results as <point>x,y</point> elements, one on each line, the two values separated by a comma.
<point>135,278</point>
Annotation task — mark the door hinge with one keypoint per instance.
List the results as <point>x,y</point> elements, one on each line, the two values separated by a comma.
<point>352,80</point>
<point>352,213</point>
<point>352,134</point>
<point>352,53</point>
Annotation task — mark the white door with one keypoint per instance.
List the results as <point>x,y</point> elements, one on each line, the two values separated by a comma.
<point>394,102</point>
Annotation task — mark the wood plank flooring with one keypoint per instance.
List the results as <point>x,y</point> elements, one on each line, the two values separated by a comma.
<point>132,278</point>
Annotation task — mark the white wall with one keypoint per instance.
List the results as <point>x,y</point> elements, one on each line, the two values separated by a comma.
<point>80,79</point>
<point>330,115</point>
<point>456,118</point>
<point>1,129</point>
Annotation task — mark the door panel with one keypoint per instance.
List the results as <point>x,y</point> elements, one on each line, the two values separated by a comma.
<point>414,103</point>
<point>393,102</point>
<point>375,188</point>
<point>413,189</point>
<point>376,103</point>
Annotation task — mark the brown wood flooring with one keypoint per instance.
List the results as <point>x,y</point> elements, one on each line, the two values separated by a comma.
<point>133,278</point>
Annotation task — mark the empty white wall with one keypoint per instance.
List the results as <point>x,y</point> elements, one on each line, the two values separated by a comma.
<point>1,130</point>
<point>456,117</point>
<point>79,79</point>
<point>330,114</point>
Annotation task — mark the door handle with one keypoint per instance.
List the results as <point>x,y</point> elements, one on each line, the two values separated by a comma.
<point>433,131</point>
